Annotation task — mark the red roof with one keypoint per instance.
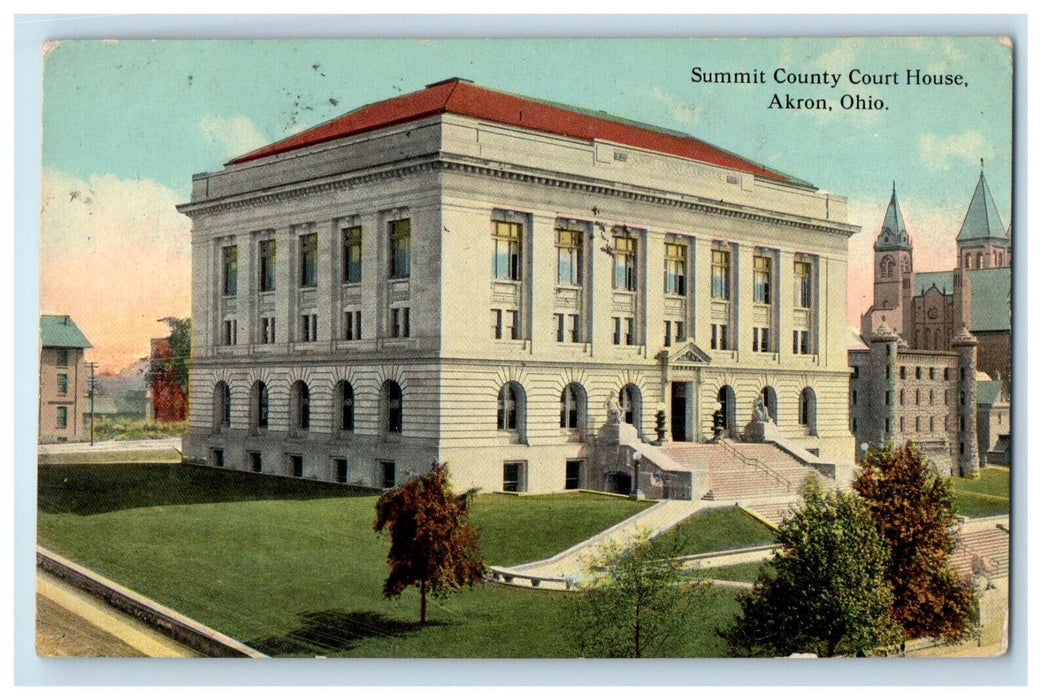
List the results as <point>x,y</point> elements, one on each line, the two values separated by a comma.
<point>457,96</point>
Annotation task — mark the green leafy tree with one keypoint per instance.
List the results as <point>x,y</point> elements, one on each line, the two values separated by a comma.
<point>824,591</point>
<point>633,601</point>
<point>432,544</point>
<point>913,509</point>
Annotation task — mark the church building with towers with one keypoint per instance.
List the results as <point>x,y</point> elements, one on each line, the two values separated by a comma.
<point>934,366</point>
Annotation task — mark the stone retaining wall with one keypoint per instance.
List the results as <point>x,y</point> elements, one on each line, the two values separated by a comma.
<point>168,622</point>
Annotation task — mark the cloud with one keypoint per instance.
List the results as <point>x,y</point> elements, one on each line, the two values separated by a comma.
<point>685,114</point>
<point>114,255</point>
<point>938,151</point>
<point>234,135</point>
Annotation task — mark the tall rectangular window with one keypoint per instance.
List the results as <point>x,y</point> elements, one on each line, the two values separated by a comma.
<point>308,328</point>
<point>400,323</point>
<point>229,271</point>
<point>573,468</point>
<point>268,330</point>
<point>497,324</point>
<point>803,285</point>
<point>762,279</point>
<point>63,384</point>
<point>513,476</point>
<point>676,268</point>
<point>63,357</point>
<point>625,269</point>
<point>719,336</point>
<point>567,327</point>
<point>569,256</point>
<point>400,249</point>
<point>352,324</point>
<point>308,260</point>
<point>802,343</point>
<point>720,275</point>
<point>229,332</point>
<point>351,255</point>
<point>761,339</point>
<point>506,257</point>
<point>62,418</point>
<point>389,474</point>
<point>267,265</point>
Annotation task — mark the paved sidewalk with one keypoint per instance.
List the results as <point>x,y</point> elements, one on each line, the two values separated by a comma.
<point>174,443</point>
<point>94,613</point>
<point>572,564</point>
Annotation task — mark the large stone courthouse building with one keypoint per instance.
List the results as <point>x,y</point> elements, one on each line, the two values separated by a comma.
<point>473,277</point>
<point>934,366</point>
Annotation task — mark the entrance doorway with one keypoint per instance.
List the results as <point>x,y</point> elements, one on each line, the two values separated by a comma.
<point>620,482</point>
<point>679,411</point>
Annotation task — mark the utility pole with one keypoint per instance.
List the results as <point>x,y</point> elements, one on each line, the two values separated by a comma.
<point>91,399</point>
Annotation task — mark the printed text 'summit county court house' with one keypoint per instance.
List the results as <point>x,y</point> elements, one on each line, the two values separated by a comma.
<point>487,280</point>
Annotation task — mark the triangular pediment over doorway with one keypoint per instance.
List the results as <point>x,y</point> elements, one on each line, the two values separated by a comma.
<point>685,354</point>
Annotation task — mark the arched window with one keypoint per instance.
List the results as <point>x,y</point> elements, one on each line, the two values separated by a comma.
<point>807,410</point>
<point>510,411</point>
<point>221,405</point>
<point>630,402</point>
<point>260,406</point>
<point>768,397</point>
<point>725,415</point>
<point>968,261</point>
<point>344,406</point>
<point>979,261</point>
<point>300,406</point>
<point>392,399</point>
<point>573,407</point>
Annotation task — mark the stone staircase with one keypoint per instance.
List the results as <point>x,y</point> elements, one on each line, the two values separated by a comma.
<point>748,471</point>
<point>982,544</point>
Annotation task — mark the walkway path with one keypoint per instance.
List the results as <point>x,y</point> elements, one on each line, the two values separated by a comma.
<point>570,566</point>
<point>92,616</point>
<point>174,443</point>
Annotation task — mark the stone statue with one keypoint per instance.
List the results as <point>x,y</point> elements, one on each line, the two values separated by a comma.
<point>761,413</point>
<point>615,411</point>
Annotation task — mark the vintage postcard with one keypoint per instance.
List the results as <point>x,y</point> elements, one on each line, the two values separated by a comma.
<point>690,348</point>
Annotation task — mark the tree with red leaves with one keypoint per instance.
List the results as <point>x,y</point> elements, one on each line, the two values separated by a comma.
<point>913,508</point>
<point>433,546</point>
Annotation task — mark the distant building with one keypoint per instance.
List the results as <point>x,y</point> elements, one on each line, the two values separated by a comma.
<point>124,395</point>
<point>64,376</point>
<point>168,400</point>
<point>929,338</point>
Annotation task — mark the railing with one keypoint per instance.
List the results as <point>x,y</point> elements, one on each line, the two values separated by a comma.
<point>754,462</point>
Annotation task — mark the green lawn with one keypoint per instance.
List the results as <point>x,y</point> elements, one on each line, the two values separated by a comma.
<point>986,494</point>
<point>715,530</point>
<point>293,568</point>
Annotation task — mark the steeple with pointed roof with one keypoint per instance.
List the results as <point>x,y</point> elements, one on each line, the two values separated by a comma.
<point>893,235</point>
<point>983,242</point>
<point>982,221</point>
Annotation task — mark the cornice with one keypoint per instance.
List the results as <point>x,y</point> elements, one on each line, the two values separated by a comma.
<point>445,162</point>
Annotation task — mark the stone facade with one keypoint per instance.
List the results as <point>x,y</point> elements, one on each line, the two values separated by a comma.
<point>924,319</point>
<point>462,290</point>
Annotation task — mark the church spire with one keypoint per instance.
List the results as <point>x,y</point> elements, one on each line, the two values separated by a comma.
<point>893,235</point>
<point>982,221</point>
